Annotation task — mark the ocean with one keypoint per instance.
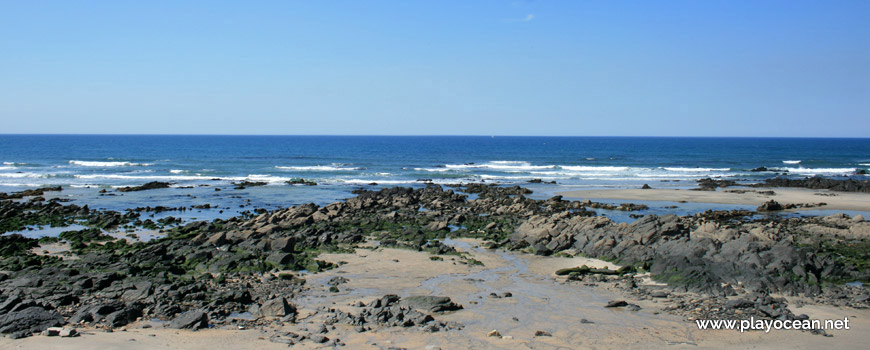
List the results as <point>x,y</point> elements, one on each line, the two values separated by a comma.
<point>195,165</point>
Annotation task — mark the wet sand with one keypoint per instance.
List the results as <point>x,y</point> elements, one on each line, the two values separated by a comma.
<point>736,195</point>
<point>540,301</point>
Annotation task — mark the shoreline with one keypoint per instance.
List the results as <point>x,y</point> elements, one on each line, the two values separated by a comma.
<point>736,195</point>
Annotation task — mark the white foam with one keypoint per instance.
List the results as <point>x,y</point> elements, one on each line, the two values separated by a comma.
<point>323,168</point>
<point>502,165</point>
<point>610,169</point>
<point>437,170</point>
<point>13,184</point>
<point>791,162</point>
<point>818,171</point>
<point>176,171</point>
<point>268,178</point>
<point>864,164</point>
<point>698,170</point>
<point>21,175</point>
<point>7,167</point>
<point>388,182</point>
<point>149,177</point>
<point>105,164</point>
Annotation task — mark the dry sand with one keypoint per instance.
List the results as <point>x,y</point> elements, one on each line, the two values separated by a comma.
<point>540,301</point>
<point>746,196</point>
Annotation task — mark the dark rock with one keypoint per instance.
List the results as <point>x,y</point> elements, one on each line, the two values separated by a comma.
<point>278,307</point>
<point>430,303</point>
<point>770,205</point>
<point>193,320</point>
<point>319,339</point>
<point>148,186</point>
<point>29,320</point>
<point>616,303</point>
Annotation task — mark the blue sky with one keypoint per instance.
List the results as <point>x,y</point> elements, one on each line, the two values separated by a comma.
<point>652,68</point>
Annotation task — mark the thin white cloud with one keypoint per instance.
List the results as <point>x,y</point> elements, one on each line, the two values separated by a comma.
<point>528,18</point>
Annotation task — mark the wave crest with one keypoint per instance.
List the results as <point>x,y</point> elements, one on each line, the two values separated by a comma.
<point>104,164</point>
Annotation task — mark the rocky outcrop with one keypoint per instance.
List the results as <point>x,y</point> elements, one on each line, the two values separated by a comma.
<point>702,255</point>
<point>148,186</point>
<point>819,183</point>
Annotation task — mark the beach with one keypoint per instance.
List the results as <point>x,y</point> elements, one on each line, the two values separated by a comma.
<point>539,301</point>
<point>742,196</point>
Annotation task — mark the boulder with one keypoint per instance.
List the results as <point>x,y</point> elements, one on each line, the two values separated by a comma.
<point>284,244</point>
<point>193,320</point>
<point>770,205</point>
<point>29,320</point>
<point>278,307</point>
<point>430,303</point>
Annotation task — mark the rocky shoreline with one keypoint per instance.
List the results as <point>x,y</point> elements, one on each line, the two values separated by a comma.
<point>207,273</point>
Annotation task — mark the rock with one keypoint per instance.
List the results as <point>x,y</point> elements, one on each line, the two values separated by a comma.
<point>585,321</point>
<point>193,320</point>
<point>52,331</point>
<point>770,205</point>
<point>280,260</point>
<point>319,339</point>
<point>124,316</point>
<point>616,303</point>
<point>645,187</point>
<point>659,294</point>
<point>278,307</point>
<point>32,319</point>
<point>493,333</point>
<point>543,334</point>
<point>437,226</point>
<point>336,281</point>
<point>68,333</point>
<point>217,239</point>
<point>284,244</point>
<point>148,186</point>
<point>430,303</point>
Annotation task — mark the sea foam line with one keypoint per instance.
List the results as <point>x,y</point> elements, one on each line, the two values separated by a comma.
<point>500,165</point>
<point>90,163</point>
<point>323,168</point>
<point>814,171</point>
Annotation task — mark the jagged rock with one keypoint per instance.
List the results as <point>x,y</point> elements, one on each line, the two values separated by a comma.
<point>193,320</point>
<point>32,319</point>
<point>278,307</point>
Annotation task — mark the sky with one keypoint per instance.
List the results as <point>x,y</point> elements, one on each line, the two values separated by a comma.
<point>563,68</point>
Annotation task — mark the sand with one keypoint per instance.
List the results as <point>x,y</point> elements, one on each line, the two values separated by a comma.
<point>540,301</point>
<point>744,196</point>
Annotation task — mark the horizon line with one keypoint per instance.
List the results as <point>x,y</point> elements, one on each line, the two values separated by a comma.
<point>435,135</point>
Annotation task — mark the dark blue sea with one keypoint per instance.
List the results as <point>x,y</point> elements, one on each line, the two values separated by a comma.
<point>196,165</point>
